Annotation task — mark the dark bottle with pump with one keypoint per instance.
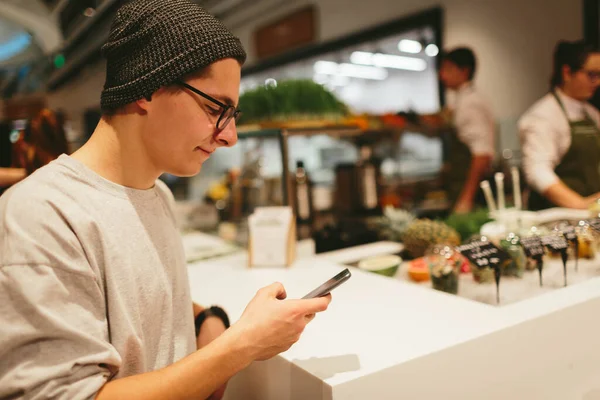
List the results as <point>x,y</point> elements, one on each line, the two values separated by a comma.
<point>303,194</point>
<point>368,175</point>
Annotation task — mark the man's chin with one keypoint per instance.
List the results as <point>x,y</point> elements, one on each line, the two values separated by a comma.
<point>186,172</point>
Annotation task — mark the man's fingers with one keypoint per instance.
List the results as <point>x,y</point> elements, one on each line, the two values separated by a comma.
<point>316,305</point>
<point>275,290</point>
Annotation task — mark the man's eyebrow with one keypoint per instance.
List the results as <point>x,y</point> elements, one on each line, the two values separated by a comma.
<point>223,99</point>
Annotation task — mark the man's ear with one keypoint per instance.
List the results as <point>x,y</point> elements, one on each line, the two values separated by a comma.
<point>566,73</point>
<point>465,72</point>
<point>144,103</point>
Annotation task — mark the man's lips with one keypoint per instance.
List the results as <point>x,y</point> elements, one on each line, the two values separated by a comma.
<point>207,152</point>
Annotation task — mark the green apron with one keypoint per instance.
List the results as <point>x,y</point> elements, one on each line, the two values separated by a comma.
<point>579,168</point>
<point>457,159</point>
<point>457,162</point>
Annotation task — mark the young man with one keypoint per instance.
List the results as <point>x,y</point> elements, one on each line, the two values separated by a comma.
<point>94,295</point>
<point>470,139</point>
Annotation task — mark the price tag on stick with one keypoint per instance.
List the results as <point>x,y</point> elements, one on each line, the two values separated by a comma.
<point>558,244</point>
<point>571,235</point>
<point>534,249</point>
<point>484,254</point>
<point>595,224</point>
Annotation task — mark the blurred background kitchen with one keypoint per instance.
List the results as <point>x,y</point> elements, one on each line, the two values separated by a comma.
<point>330,93</point>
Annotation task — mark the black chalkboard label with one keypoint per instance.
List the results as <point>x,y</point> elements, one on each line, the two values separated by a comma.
<point>555,242</point>
<point>595,224</point>
<point>484,254</point>
<point>533,246</point>
<point>558,243</point>
<point>569,232</point>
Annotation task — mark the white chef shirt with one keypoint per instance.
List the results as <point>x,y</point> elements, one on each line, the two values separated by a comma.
<point>546,136</point>
<point>474,120</point>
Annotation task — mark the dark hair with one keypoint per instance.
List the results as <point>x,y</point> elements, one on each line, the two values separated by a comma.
<point>572,54</point>
<point>463,57</point>
<point>47,138</point>
<point>5,145</point>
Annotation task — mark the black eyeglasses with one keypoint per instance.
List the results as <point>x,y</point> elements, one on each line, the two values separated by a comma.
<point>228,112</point>
<point>593,75</point>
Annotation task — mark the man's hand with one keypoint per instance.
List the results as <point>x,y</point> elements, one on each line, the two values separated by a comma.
<point>10,176</point>
<point>270,326</point>
<point>267,327</point>
<point>590,200</point>
<point>563,196</point>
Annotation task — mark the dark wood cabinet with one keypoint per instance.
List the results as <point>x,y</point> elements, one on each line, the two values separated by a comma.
<point>293,31</point>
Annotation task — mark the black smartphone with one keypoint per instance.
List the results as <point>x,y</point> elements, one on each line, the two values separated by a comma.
<point>331,284</point>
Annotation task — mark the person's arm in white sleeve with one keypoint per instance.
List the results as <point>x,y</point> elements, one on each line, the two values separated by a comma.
<point>476,131</point>
<point>563,196</point>
<point>541,155</point>
<point>10,176</point>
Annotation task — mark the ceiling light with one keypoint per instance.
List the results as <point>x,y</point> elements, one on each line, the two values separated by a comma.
<point>388,61</point>
<point>362,58</point>
<point>432,50</point>
<point>359,71</point>
<point>350,70</point>
<point>410,46</point>
<point>326,67</point>
<point>399,62</point>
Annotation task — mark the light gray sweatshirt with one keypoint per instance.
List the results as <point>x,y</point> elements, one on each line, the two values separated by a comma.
<point>93,283</point>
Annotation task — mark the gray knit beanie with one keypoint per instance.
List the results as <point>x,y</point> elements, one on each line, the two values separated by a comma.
<point>154,43</point>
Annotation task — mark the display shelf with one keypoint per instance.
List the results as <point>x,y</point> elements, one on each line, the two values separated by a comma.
<point>348,132</point>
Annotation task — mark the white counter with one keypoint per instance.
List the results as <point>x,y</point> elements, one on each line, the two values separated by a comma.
<point>385,339</point>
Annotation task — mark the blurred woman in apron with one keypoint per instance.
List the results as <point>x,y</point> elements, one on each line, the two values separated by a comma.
<point>560,135</point>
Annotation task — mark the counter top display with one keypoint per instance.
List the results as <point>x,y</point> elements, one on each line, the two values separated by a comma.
<point>386,338</point>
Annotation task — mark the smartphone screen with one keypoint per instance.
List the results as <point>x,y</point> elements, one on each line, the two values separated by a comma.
<point>331,284</point>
